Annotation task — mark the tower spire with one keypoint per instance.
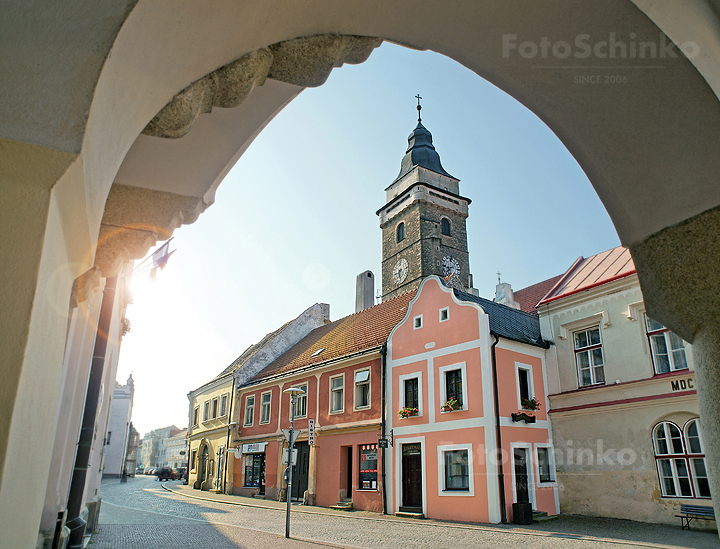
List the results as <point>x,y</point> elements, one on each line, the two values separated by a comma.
<point>419,107</point>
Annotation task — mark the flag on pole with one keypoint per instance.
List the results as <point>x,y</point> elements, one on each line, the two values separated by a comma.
<point>160,259</point>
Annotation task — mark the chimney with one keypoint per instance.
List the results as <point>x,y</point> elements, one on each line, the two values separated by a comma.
<point>504,295</point>
<point>364,291</point>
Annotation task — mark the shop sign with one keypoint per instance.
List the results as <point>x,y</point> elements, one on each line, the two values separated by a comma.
<point>682,384</point>
<point>311,431</point>
<point>254,448</point>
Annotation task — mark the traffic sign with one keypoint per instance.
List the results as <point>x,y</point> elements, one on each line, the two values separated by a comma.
<point>286,433</point>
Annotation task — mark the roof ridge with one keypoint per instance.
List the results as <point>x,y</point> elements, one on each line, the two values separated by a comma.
<point>494,303</point>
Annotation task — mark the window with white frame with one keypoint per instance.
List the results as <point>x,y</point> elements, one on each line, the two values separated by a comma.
<point>206,410</point>
<point>457,472</point>
<point>214,408</point>
<point>545,464</point>
<point>680,460</point>
<point>668,349</point>
<point>223,405</point>
<point>249,410</point>
<point>524,383</point>
<point>411,392</point>
<point>444,314</point>
<point>300,408</point>
<point>337,394</point>
<point>454,386</point>
<point>265,401</point>
<point>417,322</point>
<point>362,389</point>
<point>589,356</point>
<point>196,414</point>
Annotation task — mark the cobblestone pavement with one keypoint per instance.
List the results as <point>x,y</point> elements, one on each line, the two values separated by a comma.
<point>142,514</point>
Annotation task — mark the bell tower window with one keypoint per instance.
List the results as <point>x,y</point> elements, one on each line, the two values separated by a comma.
<point>445,226</point>
<point>401,232</point>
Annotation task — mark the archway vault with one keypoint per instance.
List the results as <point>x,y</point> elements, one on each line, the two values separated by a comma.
<point>81,85</point>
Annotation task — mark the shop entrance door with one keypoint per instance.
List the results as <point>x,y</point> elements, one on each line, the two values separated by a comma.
<point>411,478</point>
<point>301,470</point>
<point>522,493</point>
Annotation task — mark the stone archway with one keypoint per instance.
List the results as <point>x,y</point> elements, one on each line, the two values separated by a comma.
<point>76,105</point>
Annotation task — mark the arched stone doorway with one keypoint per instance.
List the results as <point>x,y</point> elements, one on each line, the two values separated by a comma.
<point>205,464</point>
<point>75,109</point>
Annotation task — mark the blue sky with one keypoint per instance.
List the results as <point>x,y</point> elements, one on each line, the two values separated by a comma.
<point>294,221</point>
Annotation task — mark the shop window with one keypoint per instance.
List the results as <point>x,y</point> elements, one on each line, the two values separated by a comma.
<point>589,357</point>
<point>457,474</point>
<point>680,460</point>
<point>337,394</point>
<point>368,467</point>
<point>249,411</point>
<point>362,389</point>
<point>668,349</point>
<point>300,408</point>
<point>254,470</point>
<point>545,466</point>
<point>223,405</point>
<point>265,400</point>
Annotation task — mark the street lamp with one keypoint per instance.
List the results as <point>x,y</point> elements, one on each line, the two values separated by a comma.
<point>293,392</point>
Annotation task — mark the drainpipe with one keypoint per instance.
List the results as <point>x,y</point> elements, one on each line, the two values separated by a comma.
<point>383,354</point>
<point>498,437</point>
<point>227,441</point>
<point>82,456</point>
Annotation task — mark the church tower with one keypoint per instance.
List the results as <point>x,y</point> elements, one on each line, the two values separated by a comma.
<point>423,221</point>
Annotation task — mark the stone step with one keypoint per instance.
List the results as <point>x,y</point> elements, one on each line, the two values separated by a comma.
<point>406,514</point>
<point>542,516</point>
<point>343,506</point>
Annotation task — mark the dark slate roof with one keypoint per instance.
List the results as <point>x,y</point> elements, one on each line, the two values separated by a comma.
<point>508,322</point>
<point>421,152</point>
<point>358,332</point>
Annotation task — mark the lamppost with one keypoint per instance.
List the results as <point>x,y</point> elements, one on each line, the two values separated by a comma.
<point>293,392</point>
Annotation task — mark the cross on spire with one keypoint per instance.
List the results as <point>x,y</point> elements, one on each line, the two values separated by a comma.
<point>498,277</point>
<point>419,106</point>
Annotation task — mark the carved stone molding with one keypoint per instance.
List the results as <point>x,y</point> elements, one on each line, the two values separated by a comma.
<point>309,61</point>
<point>135,219</point>
<point>303,61</point>
<point>84,286</point>
<point>226,87</point>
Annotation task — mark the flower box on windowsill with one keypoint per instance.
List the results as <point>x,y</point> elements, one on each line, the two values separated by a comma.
<point>532,404</point>
<point>406,412</point>
<point>451,405</point>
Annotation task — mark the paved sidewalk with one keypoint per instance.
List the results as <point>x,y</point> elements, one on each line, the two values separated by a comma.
<point>617,532</point>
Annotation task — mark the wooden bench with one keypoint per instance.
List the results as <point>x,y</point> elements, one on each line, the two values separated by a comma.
<point>689,512</point>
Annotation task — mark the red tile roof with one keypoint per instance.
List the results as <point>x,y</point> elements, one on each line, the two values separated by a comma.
<point>358,332</point>
<point>593,271</point>
<point>531,296</point>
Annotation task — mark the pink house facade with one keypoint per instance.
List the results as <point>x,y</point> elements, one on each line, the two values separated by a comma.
<point>465,372</point>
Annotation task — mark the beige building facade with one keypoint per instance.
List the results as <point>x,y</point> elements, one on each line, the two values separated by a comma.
<point>623,398</point>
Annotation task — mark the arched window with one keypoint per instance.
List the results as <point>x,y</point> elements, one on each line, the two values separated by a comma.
<point>445,226</point>
<point>401,232</point>
<point>680,461</point>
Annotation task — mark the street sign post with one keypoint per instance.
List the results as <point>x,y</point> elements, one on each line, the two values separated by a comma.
<point>286,434</point>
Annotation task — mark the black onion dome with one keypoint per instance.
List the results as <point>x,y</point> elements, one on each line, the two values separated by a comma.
<point>420,152</point>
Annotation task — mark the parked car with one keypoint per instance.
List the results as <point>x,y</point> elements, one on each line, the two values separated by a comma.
<point>139,470</point>
<point>150,471</point>
<point>166,473</point>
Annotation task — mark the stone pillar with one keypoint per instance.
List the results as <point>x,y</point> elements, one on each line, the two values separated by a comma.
<point>312,475</point>
<point>706,352</point>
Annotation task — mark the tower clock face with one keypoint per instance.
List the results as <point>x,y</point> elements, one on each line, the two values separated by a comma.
<point>400,271</point>
<point>450,266</point>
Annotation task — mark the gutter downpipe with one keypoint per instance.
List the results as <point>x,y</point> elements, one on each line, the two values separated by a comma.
<point>227,441</point>
<point>383,354</point>
<point>498,437</point>
<point>84,446</point>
